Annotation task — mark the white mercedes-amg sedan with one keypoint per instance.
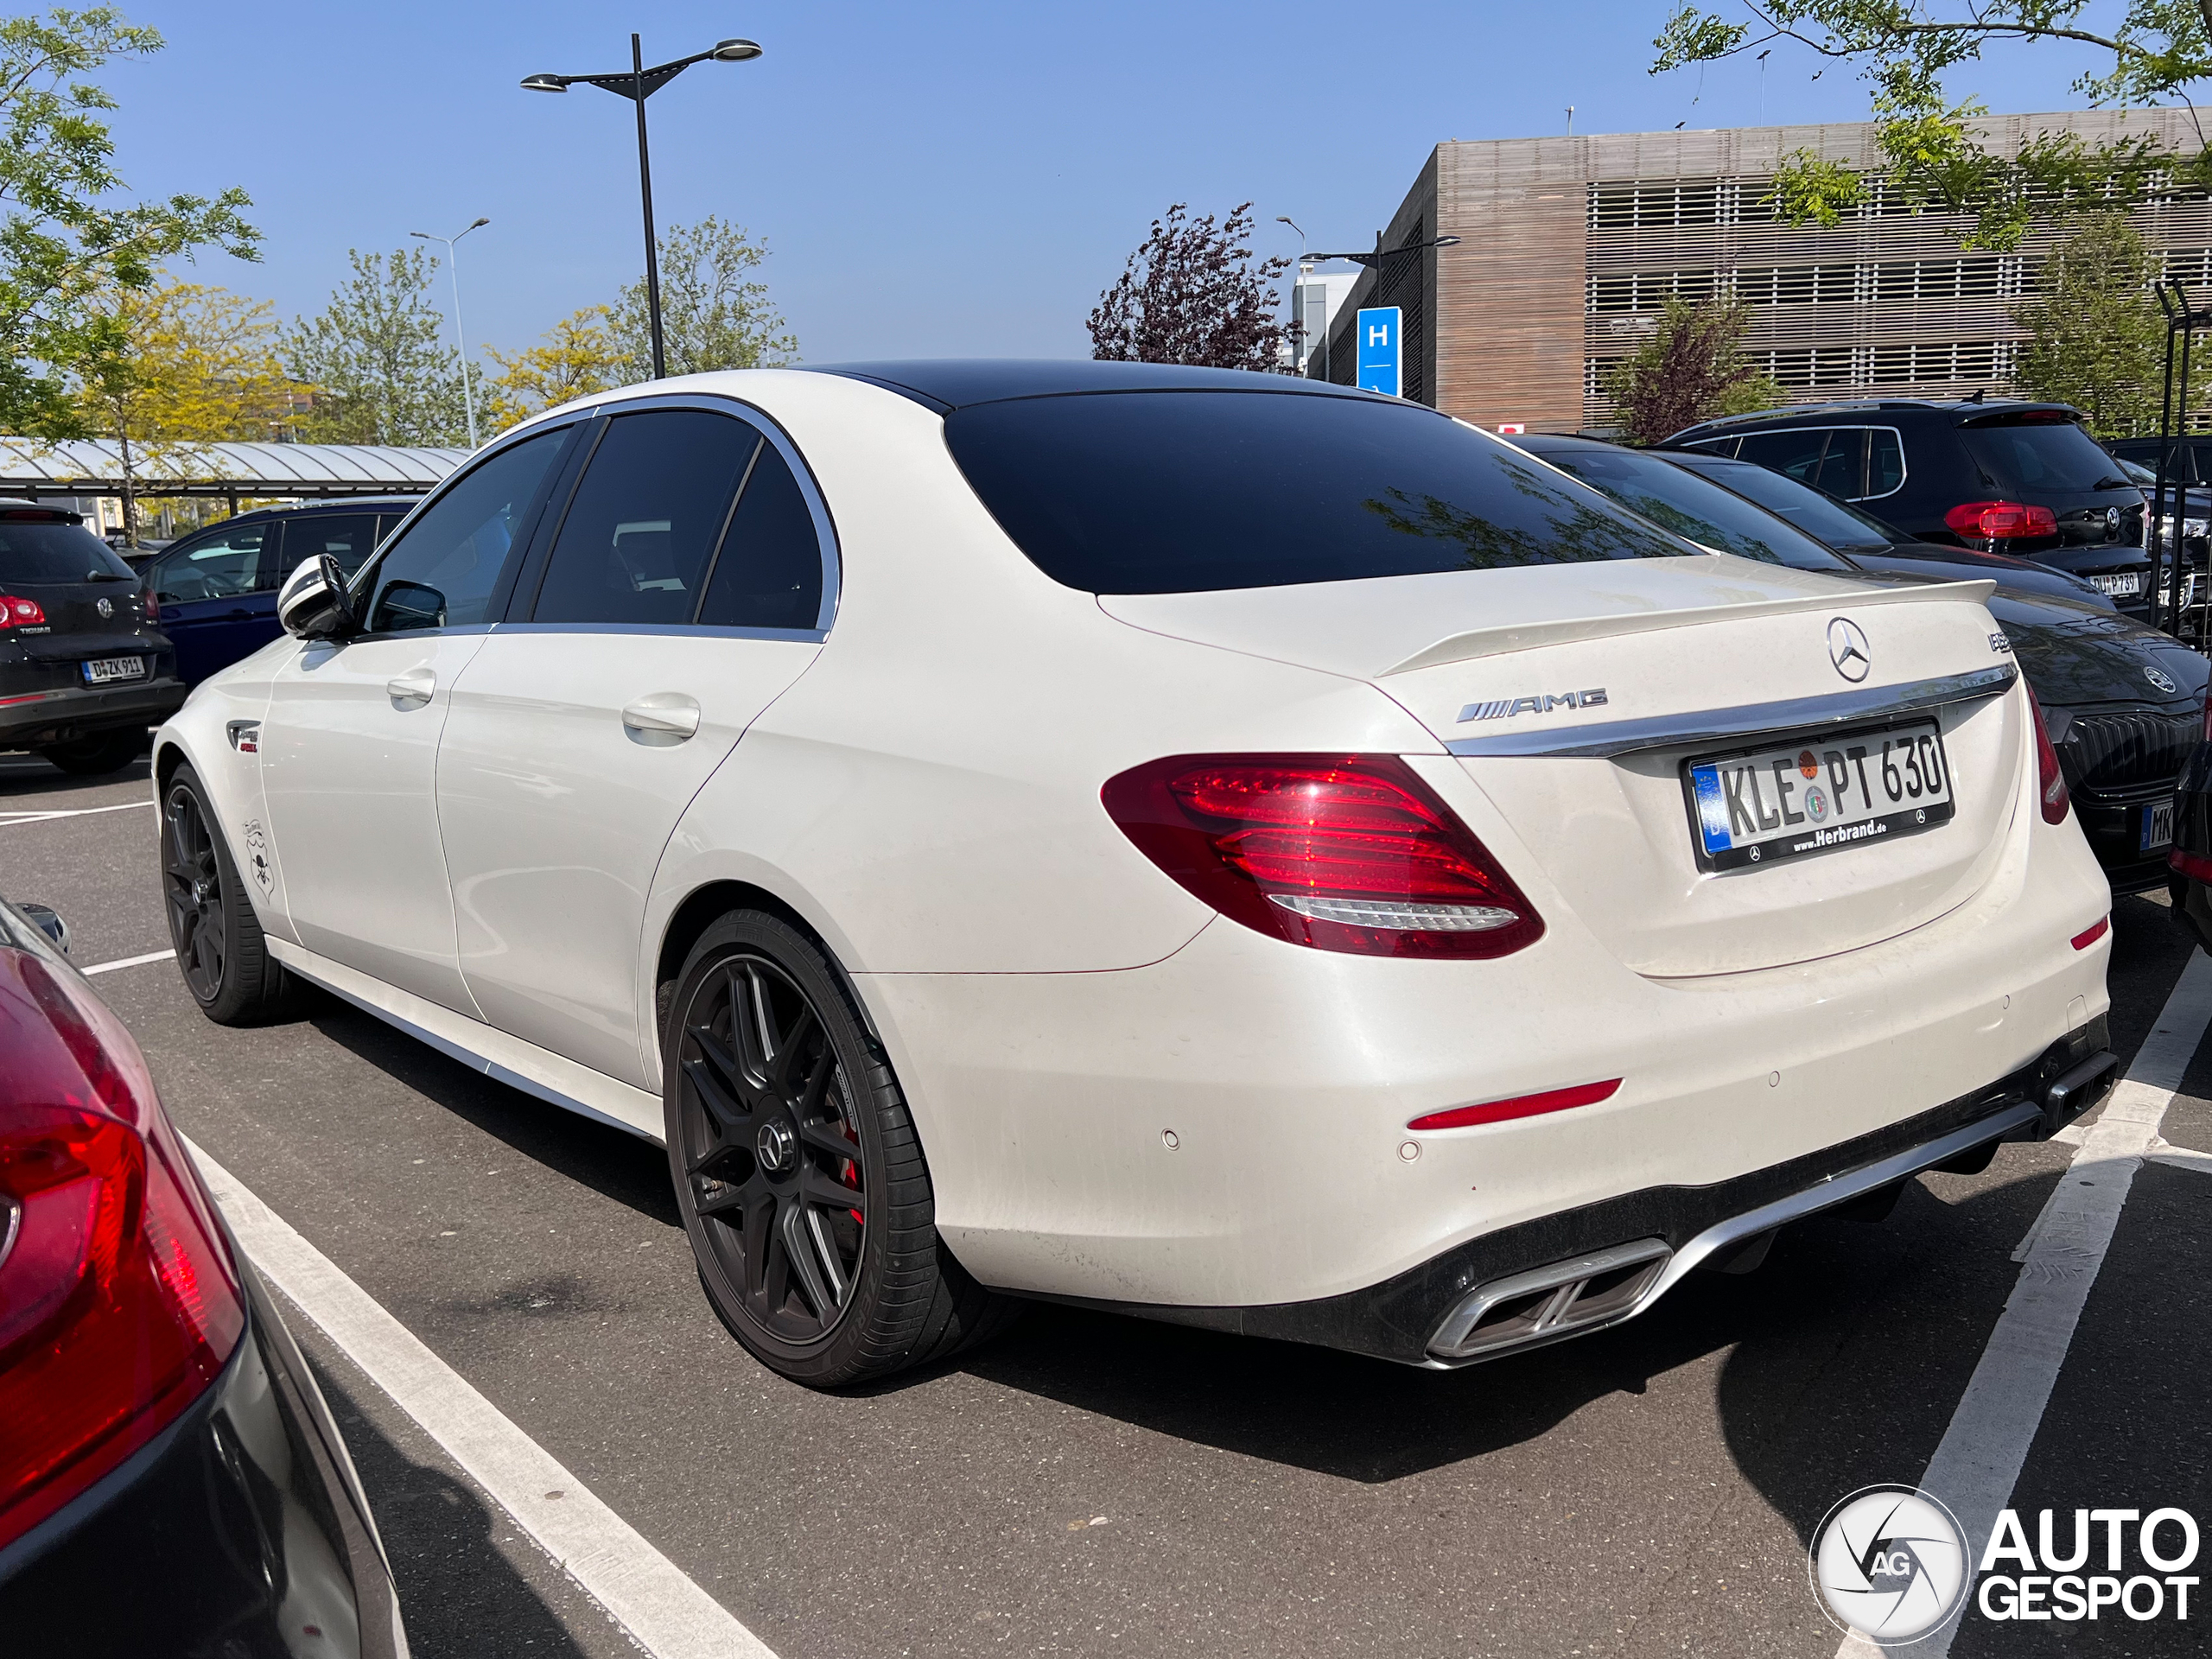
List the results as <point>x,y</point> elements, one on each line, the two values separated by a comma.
<point>1202,844</point>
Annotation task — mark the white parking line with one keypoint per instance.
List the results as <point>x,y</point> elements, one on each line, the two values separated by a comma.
<point>127,962</point>
<point>648,1594</point>
<point>1978,1464</point>
<point>7,819</point>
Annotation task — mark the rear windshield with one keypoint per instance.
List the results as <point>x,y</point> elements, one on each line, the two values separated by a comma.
<point>2048,458</point>
<point>1817,515</point>
<point>1694,507</point>
<point>35,550</point>
<point>1191,492</point>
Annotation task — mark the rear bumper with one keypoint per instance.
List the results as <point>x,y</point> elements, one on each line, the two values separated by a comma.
<point>1583,1269</point>
<point>237,1529</point>
<point>2113,828</point>
<point>57,716</point>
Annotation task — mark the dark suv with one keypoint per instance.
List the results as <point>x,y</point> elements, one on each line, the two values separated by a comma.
<point>2024,479</point>
<point>84,670</point>
<point>218,587</point>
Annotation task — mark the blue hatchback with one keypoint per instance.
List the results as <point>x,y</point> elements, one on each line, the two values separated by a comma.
<point>218,588</point>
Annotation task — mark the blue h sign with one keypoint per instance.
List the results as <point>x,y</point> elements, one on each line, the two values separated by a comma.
<point>1378,350</point>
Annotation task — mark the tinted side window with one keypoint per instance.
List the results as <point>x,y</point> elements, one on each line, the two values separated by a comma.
<point>1793,453</point>
<point>349,537</point>
<point>1715,446</point>
<point>1191,492</point>
<point>221,566</point>
<point>769,572</point>
<point>1885,462</point>
<point>443,572</point>
<point>1842,471</point>
<point>645,519</point>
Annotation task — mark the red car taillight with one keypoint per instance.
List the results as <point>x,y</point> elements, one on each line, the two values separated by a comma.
<point>2001,521</point>
<point>119,1299</point>
<point>1340,852</point>
<point>21,612</point>
<point>2050,779</point>
<point>152,605</point>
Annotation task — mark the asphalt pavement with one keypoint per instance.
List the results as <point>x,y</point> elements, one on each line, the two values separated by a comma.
<point>1088,1484</point>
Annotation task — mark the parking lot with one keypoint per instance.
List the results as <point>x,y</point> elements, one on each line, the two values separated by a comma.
<point>1090,1484</point>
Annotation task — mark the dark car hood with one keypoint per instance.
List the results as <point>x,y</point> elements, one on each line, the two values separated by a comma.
<point>2022,576</point>
<point>2077,653</point>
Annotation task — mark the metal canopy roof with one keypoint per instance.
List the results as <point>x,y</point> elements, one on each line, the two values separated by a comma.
<point>35,468</point>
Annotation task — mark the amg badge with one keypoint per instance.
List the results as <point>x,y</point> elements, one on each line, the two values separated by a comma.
<point>1506,707</point>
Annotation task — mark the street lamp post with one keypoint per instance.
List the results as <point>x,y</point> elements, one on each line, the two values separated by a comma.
<point>453,263</point>
<point>637,84</point>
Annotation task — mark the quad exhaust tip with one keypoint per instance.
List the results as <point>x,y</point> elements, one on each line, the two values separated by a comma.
<point>1561,1300</point>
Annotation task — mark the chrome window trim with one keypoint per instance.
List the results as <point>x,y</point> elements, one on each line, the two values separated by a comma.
<point>1607,739</point>
<point>818,506</point>
<point>1903,460</point>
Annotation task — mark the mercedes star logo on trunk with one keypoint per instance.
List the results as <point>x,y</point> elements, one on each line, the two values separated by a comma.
<point>1848,650</point>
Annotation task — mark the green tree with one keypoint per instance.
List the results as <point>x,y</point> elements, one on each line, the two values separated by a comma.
<point>65,238</point>
<point>377,360</point>
<point>1691,369</point>
<point>2096,338</point>
<point>714,313</point>
<point>1933,156</point>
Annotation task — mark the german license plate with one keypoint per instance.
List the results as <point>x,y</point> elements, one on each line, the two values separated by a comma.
<point>102,670</point>
<point>2158,826</point>
<point>2125,584</point>
<point>1766,805</point>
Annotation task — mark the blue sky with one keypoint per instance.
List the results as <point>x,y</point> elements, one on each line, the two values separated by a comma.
<point>948,179</point>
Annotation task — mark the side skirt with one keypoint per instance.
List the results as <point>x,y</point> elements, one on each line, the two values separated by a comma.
<point>502,1058</point>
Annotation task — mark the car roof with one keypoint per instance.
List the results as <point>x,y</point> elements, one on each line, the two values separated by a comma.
<point>1858,408</point>
<point>330,504</point>
<point>947,384</point>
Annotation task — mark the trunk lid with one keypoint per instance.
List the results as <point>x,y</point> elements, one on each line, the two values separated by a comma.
<point>1642,666</point>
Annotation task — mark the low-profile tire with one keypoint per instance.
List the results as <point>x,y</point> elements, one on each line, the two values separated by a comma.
<point>801,1181</point>
<point>220,949</point>
<point>97,755</point>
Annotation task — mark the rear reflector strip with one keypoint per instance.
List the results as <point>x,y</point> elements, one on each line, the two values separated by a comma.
<point>35,696</point>
<point>1498,1111</point>
<point>2088,936</point>
<point>2195,866</point>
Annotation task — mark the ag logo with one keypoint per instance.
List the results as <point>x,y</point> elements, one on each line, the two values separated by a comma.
<point>1889,1562</point>
<point>257,857</point>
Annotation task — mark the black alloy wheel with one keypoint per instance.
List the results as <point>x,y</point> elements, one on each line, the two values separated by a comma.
<point>797,1168</point>
<point>192,881</point>
<point>217,937</point>
<point>771,1149</point>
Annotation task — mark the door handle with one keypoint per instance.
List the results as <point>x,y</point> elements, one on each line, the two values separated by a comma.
<point>663,718</point>
<point>413,688</point>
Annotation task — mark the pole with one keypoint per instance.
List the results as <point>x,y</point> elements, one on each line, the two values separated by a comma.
<point>2161,525</point>
<point>468,397</point>
<point>646,190</point>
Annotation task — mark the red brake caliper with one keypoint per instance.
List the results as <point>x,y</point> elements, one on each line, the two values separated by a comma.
<point>851,1174</point>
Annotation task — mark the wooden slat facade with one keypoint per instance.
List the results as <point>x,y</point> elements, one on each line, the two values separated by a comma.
<point>1566,244</point>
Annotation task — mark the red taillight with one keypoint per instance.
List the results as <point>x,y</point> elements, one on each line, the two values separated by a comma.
<point>2195,866</point>
<point>2090,936</point>
<point>152,605</point>
<point>119,1300</point>
<point>1498,1111</point>
<point>1340,852</point>
<point>2050,779</point>
<point>2000,521</point>
<point>21,612</point>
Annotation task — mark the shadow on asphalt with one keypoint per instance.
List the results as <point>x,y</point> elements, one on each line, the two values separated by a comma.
<point>24,777</point>
<point>593,1154</point>
<point>458,1594</point>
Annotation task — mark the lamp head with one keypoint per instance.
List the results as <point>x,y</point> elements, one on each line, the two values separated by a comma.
<point>480,221</point>
<point>735,51</point>
<point>546,83</point>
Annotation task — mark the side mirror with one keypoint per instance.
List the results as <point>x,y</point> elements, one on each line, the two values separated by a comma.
<point>313,604</point>
<point>43,917</point>
<point>405,605</point>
